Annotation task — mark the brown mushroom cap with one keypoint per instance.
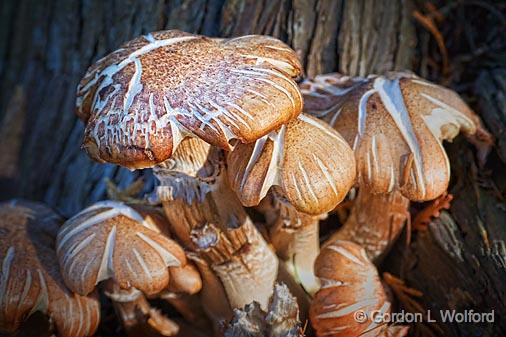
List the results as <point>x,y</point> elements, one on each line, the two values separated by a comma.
<point>396,124</point>
<point>140,101</point>
<point>310,162</point>
<point>185,279</point>
<point>349,283</point>
<point>113,240</point>
<point>29,278</point>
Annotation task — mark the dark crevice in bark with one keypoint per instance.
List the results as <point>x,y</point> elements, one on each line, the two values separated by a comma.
<point>8,19</point>
<point>312,33</point>
<point>212,19</point>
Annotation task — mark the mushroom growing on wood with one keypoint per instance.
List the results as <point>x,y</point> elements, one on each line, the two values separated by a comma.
<point>30,281</point>
<point>160,101</point>
<point>311,168</point>
<point>351,295</point>
<point>396,125</point>
<point>127,246</point>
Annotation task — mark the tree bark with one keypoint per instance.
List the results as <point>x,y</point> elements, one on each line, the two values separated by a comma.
<point>46,46</point>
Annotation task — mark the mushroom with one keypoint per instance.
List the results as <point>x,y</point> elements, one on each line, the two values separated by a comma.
<point>213,293</point>
<point>142,100</point>
<point>129,247</point>
<point>29,279</point>
<point>136,314</point>
<point>171,100</point>
<point>396,124</point>
<point>309,168</point>
<point>351,297</point>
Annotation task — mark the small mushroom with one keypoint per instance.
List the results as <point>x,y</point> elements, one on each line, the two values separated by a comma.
<point>312,165</point>
<point>183,294</point>
<point>30,281</point>
<point>351,295</point>
<point>129,247</point>
<point>309,168</point>
<point>396,124</point>
<point>160,101</point>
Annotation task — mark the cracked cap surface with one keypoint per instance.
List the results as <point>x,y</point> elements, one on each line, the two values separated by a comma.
<point>141,100</point>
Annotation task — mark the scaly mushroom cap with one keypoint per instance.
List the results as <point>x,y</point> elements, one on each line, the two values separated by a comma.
<point>113,240</point>
<point>29,278</point>
<point>311,162</point>
<point>140,101</point>
<point>396,124</point>
<point>349,284</point>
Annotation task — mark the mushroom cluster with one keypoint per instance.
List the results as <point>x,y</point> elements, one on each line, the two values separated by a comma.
<point>248,162</point>
<point>30,280</point>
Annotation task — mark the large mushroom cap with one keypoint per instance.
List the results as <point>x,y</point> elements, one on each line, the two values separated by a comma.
<point>396,124</point>
<point>141,100</point>
<point>113,240</point>
<point>29,278</point>
<point>310,162</point>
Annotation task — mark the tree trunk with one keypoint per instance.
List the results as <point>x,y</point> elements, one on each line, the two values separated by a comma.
<point>46,46</point>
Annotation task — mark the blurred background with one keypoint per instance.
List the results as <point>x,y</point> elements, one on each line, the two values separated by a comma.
<point>46,46</point>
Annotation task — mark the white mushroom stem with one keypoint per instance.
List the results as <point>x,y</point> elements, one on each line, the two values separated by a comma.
<point>375,222</point>
<point>245,264</point>
<point>136,314</point>
<point>213,294</point>
<point>209,219</point>
<point>295,238</point>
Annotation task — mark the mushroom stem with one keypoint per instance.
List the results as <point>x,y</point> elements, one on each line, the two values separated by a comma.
<point>212,294</point>
<point>136,314</point>
<point>209,219</point>
<point>375,222</point>
<point>190,307</point>
<point>242,260</point>
<point>295,238</point>
<point>193,190</point>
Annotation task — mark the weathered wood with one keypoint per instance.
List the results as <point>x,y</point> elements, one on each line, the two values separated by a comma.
<point>460,262</point>
<point>376,37</point>
<point>490,88</point>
